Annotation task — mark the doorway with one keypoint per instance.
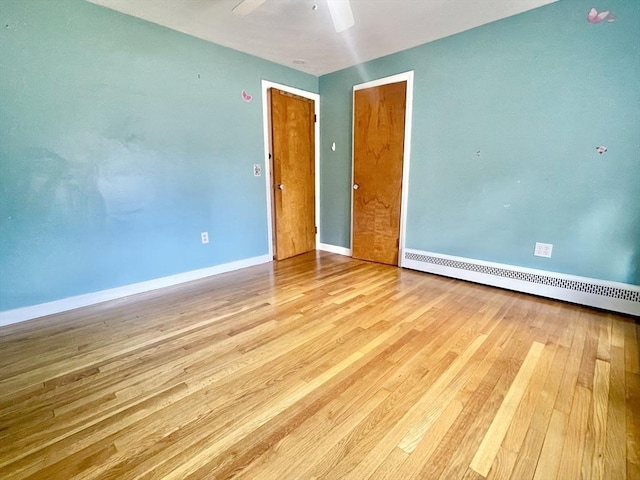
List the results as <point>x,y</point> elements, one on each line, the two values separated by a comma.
<point>381,147</point>
<point>291,169</point>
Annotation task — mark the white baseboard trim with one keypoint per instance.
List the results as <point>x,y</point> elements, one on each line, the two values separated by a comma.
<point>614,296</point>
<point>334,249</point>
<point>9,317</point>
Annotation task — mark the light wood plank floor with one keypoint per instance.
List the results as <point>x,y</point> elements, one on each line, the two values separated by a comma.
<point>322,367</point>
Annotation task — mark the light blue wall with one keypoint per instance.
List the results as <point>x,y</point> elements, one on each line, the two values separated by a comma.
<point>121,141</point>
<point>535,94</point>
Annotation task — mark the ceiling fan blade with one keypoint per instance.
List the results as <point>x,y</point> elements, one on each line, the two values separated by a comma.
<point>247,6</point>
<point>341,14</point>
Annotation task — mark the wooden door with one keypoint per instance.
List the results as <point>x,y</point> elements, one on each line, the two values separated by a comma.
<point>378,150</point>
<point>293,157</point>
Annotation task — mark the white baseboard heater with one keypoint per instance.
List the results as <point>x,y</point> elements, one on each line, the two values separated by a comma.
<point>614,296</point>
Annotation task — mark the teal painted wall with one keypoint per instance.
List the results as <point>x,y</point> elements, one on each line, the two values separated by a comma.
<point>535,94</point>
<point>121,141</point>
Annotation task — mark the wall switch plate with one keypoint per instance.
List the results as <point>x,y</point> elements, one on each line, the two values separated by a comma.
<point>204,236</point>
<point>543,250</point>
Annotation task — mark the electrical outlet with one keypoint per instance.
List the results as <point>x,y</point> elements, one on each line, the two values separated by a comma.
<point>204,236</point>
<point>543,250</point>
<point>257,170</point>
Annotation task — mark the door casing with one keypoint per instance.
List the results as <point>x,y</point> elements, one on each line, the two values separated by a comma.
<point>266,122</point>
<point>401,77</point>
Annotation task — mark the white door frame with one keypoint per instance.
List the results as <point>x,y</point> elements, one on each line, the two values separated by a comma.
<point>408,116</point>
<point>266,122</point>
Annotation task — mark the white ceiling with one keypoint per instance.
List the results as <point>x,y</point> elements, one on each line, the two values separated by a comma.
<point>290,31</point>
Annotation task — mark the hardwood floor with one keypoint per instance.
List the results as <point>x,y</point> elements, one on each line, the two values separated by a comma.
<point>321,366</point>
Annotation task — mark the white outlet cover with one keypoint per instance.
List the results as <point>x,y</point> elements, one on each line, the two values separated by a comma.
<point>204,236</point>
<point>543,250</point>
<point>257,170</point>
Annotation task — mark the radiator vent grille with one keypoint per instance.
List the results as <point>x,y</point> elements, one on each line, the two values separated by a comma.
<point>576,285</point>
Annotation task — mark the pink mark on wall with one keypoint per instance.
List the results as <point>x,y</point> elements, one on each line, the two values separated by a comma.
<point>596,17</point>
<point>246,97</point>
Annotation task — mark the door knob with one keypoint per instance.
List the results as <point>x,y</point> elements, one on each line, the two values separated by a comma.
<point>280,186</point>
<point>356,186</point>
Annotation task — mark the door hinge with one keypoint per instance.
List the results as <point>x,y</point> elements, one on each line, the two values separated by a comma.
<point>316,230</point>
<point>315,118</point>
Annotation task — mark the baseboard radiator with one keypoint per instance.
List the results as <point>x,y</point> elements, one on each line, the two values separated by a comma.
<point>617,297</point>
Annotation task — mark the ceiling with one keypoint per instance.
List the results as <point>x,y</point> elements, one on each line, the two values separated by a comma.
<point>295,34</point>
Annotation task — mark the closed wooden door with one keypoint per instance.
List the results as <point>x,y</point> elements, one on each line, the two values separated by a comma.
<point>293,157</point>
<point>378,150</point>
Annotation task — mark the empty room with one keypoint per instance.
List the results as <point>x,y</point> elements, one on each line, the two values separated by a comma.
<point>320,239</point>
